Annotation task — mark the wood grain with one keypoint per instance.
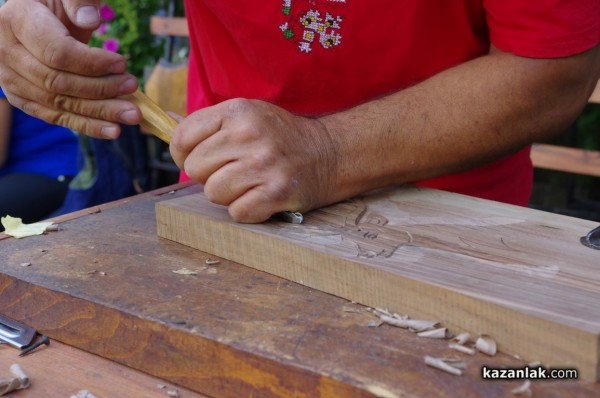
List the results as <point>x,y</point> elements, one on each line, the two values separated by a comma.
<point>155,120</point>
<point>517,274</point>
<point>104,283</point>
<point>59,370</point>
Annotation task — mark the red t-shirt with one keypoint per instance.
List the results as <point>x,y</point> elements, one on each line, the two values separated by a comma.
<point>320,56</point>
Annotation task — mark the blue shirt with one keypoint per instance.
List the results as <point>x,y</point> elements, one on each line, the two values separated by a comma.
<point>39,147</point>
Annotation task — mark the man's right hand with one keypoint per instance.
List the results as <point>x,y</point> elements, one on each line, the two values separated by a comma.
<point>48,70</point>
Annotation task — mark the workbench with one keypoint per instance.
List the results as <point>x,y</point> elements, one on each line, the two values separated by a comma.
<point>131,325</point>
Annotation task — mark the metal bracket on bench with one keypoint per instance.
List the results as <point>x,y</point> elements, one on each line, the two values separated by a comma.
<point>15,333</point>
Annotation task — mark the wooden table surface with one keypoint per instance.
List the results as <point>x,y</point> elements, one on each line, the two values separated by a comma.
<point>59,370</point>
<point>105,284</point>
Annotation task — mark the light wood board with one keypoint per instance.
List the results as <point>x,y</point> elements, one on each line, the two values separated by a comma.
<point>519,275</point>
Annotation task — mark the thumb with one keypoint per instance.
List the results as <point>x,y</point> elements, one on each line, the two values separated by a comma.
<point>84,14</point>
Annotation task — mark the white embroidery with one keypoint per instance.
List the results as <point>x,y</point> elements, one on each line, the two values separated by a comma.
<point>311,27</point>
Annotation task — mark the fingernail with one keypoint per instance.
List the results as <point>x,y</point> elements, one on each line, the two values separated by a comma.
<point>87,16</point>
<point>129,117</point>
<point>109,132</point>
<point>128,86</point>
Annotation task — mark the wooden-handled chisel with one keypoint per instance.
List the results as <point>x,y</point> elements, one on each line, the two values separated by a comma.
<point>160,124</point>
<point>154,119</point>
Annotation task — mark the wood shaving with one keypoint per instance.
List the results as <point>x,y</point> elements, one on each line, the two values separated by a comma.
<point>20,381</point>
<point>462,348</point>
<point>381,392</point>
<point>185,271</point>
<point>96,272</point>
<point>523,389</point>
<point>14,227</point>
<point>351,309</point>
<point>25,264</point>
<point>210,261</point>
<point>462,338</point>
<point>455,361</point>
<point>381,311</point>
<point>412,324</point>
<point>487,345</point>
<point>83,394</point>
<point>440,364</point>
<point>374,324</point>
<point>174,393</point>
<point>439,333</point>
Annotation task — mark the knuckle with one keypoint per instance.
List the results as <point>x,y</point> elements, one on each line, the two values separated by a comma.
<point>53,82</point>
<point>279,191</point>
<point>264,159</point>
<point>60,102</point>
<point>240,213</point>
<point>213,195</point>
<point>54,54</point>
<point>238,105</point>
<point>193,170</point>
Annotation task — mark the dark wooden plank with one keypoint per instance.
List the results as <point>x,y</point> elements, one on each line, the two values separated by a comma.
<point>228,333</point>
<point>474,265</point>
<point>59,370</point>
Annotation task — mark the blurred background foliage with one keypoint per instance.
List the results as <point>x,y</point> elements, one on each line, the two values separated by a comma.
<point>566,193</point>
<point>126,30</point>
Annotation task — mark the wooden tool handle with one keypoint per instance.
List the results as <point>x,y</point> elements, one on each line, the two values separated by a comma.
<point>155,120</point>
<point>159,123</point>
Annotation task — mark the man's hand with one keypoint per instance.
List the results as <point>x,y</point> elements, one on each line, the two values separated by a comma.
<point>48,71</point>
<point>256,158</point>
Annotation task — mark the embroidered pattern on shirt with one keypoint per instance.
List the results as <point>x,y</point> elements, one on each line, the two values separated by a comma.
<point>311,23</point>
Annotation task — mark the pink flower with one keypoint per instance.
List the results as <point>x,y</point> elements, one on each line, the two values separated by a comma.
<point>111,45</point>
<point>102,29</point>
<point>107,13</point>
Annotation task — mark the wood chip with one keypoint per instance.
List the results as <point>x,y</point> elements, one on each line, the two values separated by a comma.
<point>185,271</point>
<point>381,311</point>
<point>487,345</point>
<point>440,364</point>
<point>20,381</point>
<point>174,393</point>
<point>14,227</point>
<point>380,391</point>
<point>462,348</point>
<point>462,338</point>
<point>25,264</point>
<point>412,324</point>
<point>439,333</point>
<point>351,309</point>
<point>374,324</point>
<point>83,394</point>
<point>523,389</point>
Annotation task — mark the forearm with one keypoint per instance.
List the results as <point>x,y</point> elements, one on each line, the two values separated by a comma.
<point>463,117</point>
